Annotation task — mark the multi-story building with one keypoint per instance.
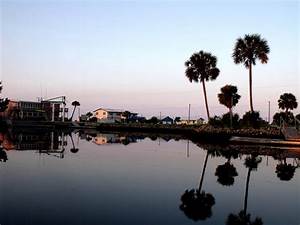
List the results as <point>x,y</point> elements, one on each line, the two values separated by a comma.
<point>33,111</point>
<point>108,115</point>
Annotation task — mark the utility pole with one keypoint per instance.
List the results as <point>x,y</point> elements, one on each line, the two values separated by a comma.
<point>159,115</point>
<point>269,115</point>
<point>189,114</point>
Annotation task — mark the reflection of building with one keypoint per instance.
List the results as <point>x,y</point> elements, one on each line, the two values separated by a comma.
<point>35,111</point>
<point>101,139</point>
<point>44,142</point>
<point>108,115</point>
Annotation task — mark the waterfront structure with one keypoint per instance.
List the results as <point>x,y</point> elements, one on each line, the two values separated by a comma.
<point>44,110</point>
<point>167,120</point>
<point>108,115</point>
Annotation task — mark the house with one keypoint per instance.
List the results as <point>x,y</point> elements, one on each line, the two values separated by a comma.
<point>190,122</point>
<point>108,115</point>
<point>167,120</point>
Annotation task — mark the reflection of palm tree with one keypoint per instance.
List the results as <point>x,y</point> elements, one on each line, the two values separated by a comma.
<point>285,171</point>
<point>73,149</point>
<point>197,204</point>
<point>227,171</point>
<point>243,218</point>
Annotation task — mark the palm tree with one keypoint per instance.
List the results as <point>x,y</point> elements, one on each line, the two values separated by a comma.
<point>229,97</point>
<point>287,101</point>
<point>75,104</point>
<point>201,67</point>
<point>247,50</point>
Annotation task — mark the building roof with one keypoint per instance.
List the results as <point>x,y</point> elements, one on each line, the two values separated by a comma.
<point>167,119</point>
<point>110,110</point>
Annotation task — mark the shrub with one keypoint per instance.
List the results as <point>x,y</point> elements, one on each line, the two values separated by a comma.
<point>287,117</point>
<point>215,121</point>
<point>226,120</point>
<point>252,119</point>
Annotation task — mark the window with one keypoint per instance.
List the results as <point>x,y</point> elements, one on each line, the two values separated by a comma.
<point>104,113</point>
<point>96,113</point>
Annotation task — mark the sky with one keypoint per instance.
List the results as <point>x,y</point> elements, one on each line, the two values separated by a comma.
<point>130,54</point>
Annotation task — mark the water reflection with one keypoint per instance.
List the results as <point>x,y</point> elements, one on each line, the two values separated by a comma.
<point>226,172</point>
<point>244,218</point>
<point>150,176</point>
<point>196,203</point>
<point>41,141</point>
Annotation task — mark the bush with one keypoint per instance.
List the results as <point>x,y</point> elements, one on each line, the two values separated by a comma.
<point>215,121</point>
<point>287,117</point>
<point>252,119</point>
<point>226,120</point>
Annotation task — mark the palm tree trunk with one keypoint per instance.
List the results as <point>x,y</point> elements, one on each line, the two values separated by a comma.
<point>230,113</point>
<point>250,87</point>
<point>246,192</point>
<point>205,98</point>
<point>73,112</point>
<point>203,172</point>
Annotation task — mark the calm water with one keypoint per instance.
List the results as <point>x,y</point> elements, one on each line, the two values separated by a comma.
<point>51,178</point>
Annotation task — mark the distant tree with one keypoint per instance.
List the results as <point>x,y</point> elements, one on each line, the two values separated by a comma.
<point>177,119</point>
<point>229,96</point>
<point>153,120</point>
<point>126,114</point>
<point>297,116</point>
<point>287,101</point>
<point>89,115</point>
<point>75,104</point>
<point>247,50</point>
<point>202,67</point>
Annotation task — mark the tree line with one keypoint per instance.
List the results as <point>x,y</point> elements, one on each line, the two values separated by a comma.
<point>202,67</point>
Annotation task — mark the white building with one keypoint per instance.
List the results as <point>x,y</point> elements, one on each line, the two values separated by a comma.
<point>108,115</point>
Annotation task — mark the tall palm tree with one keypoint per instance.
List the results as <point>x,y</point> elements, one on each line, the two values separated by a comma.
<point>247,50</point>
<point>229,96</point>
<point>202,67</point>
<point>287,101</point>
<point>75,104</point>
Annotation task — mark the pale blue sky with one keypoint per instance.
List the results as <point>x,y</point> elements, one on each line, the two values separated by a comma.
<point>131,54</point>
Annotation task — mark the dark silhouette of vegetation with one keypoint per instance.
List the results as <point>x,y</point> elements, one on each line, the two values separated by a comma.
<point>202,67</point>
<point>75,104</point>
<point>288,118</point>
<point>228,120</point>
<point>246,51</point>
<point>227,171</point>
<point>177,119</point>
<point>215,121</point>
<point>242,218</point>
<point>252,119</point>
<point>153,120</point>
<point>3,155</point>
<point>287,101</point>
<point>197,204</point>
<point>229,97</point>
<point>285,171</point>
